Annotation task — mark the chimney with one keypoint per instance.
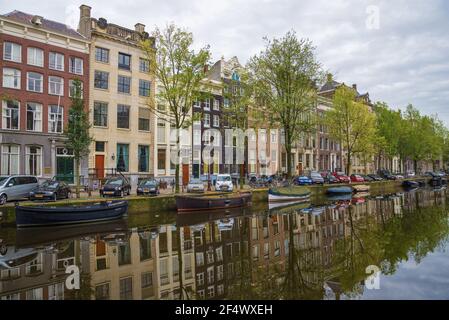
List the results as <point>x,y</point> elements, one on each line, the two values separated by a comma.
<point>354,86</point>
<point>329,77</point>
<point>139,27</point>
<point>84,25</point>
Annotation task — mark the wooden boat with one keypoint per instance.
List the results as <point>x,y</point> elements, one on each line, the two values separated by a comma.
<point>213,201</point>
<point>61,215</point>
<point>289,194</point>
<point>361,188</point>
<point>339,190</point>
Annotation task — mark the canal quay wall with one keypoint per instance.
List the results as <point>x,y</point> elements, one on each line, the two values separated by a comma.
<point>167,203</point>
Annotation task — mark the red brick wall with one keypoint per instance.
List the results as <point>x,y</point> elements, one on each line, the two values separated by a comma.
<point>24,96</point>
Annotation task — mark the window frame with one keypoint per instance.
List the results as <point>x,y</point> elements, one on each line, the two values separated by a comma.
<point>61,84</point>
<point>56,65</point>
<point>34,55</point>
<point>5,117</point>
<point>100,104</point>
<point>34,82</point>
<point>34,104</point>
<point>12,59</point>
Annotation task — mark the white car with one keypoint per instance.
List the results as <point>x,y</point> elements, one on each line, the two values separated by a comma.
<point>224,183</point>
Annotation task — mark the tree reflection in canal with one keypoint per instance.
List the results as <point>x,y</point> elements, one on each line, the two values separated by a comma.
<point>291,253</point>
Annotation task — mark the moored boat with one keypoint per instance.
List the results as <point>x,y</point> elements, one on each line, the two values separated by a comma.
<point>33,216</point>
<point>410,184</point>
<point>361,188</point>
<point>339,190</point>
<point>289,194</point>
<point>213,201</point>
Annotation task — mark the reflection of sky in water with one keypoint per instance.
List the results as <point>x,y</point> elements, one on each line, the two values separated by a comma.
<point>427,280</point>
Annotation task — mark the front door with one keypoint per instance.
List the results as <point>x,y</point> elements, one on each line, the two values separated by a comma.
<point>99,166</point>
<point>185,174</point>
<point>64,169</point>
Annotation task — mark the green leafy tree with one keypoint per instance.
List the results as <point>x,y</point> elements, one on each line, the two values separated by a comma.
<point>284,75</point>
<point>179,71</point>
<point>77,131</point>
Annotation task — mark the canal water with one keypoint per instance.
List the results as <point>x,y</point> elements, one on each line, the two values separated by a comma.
<point>391,246</point>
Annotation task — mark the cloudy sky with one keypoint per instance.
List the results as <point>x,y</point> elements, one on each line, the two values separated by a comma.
<point>397,50</point>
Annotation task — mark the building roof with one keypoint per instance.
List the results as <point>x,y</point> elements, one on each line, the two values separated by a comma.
<point>49,25</point>
<point>330,85</point>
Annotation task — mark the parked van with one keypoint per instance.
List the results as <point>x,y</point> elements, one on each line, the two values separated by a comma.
<point>224,183</point>
<point>16,187</point>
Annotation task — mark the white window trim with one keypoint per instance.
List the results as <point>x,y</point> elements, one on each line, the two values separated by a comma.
<point>216,123</point>
<point>14,76</point>
<point>41,113</point>
<point>34,56</point>
<point>62,120</point>
<point>207,104</point>
<point>49,86</point>
<point>27,153</point>
<point>13,59</point>
<point>9,158</point>
<point>216,105</point>
<point>4,108</point>
<point>206,124</point>
<point>42,82</point>
<point>74,70</point>
<point>55,67</point>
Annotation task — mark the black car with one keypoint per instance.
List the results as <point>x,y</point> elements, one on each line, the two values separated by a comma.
<point>386,175</point>
<point>51,190</point>
<point>148,186</point>
<point>330,179</point>
<point>118,186</point>
<point>366,178</point>
<point>375,177</point>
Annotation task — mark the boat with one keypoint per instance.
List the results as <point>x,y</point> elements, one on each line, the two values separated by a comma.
<point>213,201</point>
<point>289,194</point>
<point>339,190</point>
<point>361,188</point>
<point>287,207</point>
<point>339,197</point>
<point>410,184</point>
<point>34,216</point>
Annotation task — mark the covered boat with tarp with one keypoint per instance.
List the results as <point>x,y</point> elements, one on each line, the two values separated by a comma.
<point>289,194</point>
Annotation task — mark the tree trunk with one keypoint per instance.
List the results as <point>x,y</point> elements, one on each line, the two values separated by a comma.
<point>242,178</point>
<point>289,162</point>
<point>415,166</point>
<point>177,178</point>
<point>77,177</point>
<point>348,164</point>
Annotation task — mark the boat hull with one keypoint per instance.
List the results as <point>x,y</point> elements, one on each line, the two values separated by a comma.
<point>53,216</point>
<point>339,190</point>
<point>198,203</point>
<point>361,188</point>
<point>284,198</point>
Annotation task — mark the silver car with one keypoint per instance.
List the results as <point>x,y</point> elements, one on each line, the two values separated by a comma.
<point>16,187</point>
<point>195,185</point>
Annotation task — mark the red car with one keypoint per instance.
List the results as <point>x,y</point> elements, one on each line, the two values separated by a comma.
<point>356,178</point>
<point>341,177</point>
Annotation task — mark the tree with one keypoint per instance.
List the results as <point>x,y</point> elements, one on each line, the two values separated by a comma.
<point>179,71</point>
<point>351,123</point>
<point>284,77</point>
<point>77,132</point>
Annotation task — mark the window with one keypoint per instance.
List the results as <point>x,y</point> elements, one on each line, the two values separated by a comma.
<point>102,292</point>
<point>56,86</point>
<point>226,102</point>
<point>35,294</point>
<point>210,275</point>
<point>10,159</point>
<point>102,55</point>
<point>273,137</point>
<point>126,289</point>
<point>211,291</point>
<point>101,80</point>
<point>199,259</point>
<point>197,137</point>
<point>216,122</point>
<point>219,253</point>
<point>33,161</point>
<point>219,272</point>
<point>206,120</point>
<point>144,119</point>
<point>124,254</point>
<point>72,89</point>
<point>161,159</point>
<point>197,103</point>
<point>207,104</point>
<point>144,88</point>
<point>55,118</point>
<point>34,116</point>
<point>35,82</point>
<point>123,157</point>
<point>124,84</point>
<point>56,61</point>
<point>216,104</point>
<point>124,61</point>
<point>200,279</point>
<point>145,247</point>
<point>163,275</point>
<point>12,52</point>
<point>144,65</point>
<point>161,131</point>
<point>35,57</point>
<point>273,155</point>
<point>11,78</point>
<point>147,279</point>
<point>123,116</point>
<point>144,158</point>
<point>10,115</point>
<point>76,65</point>
<point>99,146</point>
<point>220,289</point>
<point>100,114</point>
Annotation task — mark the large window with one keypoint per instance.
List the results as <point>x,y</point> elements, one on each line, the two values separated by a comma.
<point>10,159</point>
<point>12,52</point>
<point>123,157</point>
<point>11,78</point>
<point>56,61</point>
<point>216,122</point>
<point>206,120</point>
<point>55,118</point>
<point>34,116</point>
<point>126,289</point>
<point>72,88</point>
<point>76,65</point>
<point>144,65</point>
<point>123,116</point>
<point>216,104</point>
<point>102,292</point>
<point>100,114</point>
<point>124,84</point>
<point>33,161</point>
<point>144,119</point>
<point>56,85</point>
<point>144,158</point>
<point>161,159</point>
<point>101,80</point>
<point>144,88</point>
<point>102,55</point>
<point>124,61</point>
<point>35,57</point>
<point>147,280</point>
<point>35,82</point>
<point>10,115</point>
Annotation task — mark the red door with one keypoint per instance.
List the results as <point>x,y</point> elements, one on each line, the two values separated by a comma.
<point>99,166</point>
<point>185,174</point>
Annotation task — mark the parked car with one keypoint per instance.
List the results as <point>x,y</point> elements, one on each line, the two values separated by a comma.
<point>195,185</point>
<point>398,176</point>
<point>16,187</point>
<point>440,173</point>
<point>410,174</point>
<point>341,177</point>
<point>118,186</point>
<point>385,174</point>
<point>303,180</point>
<point>316,177</point>
<point>330,179</point>
<point>375,177</point>
<point>148,186</point>
<point>356,178</point>
<point>366,178</point>
<point>51,190</point>
<point>224,183</point>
